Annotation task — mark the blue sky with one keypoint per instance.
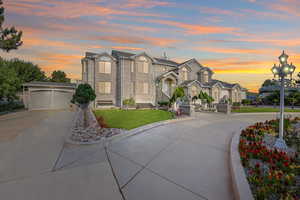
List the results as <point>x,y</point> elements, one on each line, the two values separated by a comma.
<point>239,39</point>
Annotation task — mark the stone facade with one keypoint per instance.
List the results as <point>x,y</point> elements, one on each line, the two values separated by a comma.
<point>148,80</point>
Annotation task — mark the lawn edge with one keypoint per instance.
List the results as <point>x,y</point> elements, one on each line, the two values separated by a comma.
<point>241,187</point>
<point>141,129</point>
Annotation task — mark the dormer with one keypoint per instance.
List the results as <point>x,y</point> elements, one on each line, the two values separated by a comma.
<point>205,75</point>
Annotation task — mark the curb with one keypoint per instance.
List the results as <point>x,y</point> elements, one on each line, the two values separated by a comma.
<point>146,127</point>
<point>241,188</point>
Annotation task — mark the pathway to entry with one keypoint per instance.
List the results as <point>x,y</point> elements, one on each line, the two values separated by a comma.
<point>187,160</point>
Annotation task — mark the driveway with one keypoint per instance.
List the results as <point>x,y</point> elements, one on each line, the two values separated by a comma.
<point>186,160</point>
<point>30,146</point>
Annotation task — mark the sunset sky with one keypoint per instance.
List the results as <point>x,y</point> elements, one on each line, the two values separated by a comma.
<point>239,39</point>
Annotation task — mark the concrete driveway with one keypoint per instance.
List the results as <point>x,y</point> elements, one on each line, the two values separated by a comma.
<point>186,160</point>
<point>181,161</point>
<point>30,145</point>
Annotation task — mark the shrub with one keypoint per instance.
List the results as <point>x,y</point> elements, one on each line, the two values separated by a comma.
<point>246,101</point>
<point>237,104</point>
<point>102,122</point>
<point>129,102</point>
<point>163,103</point>
<point>84,94</point>
<point>10,106</point>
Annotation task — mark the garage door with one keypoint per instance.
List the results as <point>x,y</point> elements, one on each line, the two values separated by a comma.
<point>48,99</point>
<point>61,99</point>
<point>40,100</point>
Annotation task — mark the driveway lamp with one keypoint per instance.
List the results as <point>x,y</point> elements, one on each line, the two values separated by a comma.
<point>282,71</point>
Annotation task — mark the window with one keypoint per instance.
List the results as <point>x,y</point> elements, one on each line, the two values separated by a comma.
<point>145,88</point>
<point>104,67</point>
<point>205,76</point>
<point>184,74</point>
<point>143,67</point>
<point>132,66</point>
<point>104,87</point>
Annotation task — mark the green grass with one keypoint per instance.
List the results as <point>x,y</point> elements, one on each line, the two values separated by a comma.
<point>129,119</point>
<point>259,109</point>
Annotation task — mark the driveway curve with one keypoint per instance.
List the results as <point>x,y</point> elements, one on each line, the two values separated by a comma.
<point>184,160</point>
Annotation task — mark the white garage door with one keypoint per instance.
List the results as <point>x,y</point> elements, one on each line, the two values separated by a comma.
<point>40,100</point>
<point>48,99</point>
<point>61,99</point>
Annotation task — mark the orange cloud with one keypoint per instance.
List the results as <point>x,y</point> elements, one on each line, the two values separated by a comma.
<point>138,40</point>
<point>145,3</point>
<point>291,7</point>
<point>238,50</point>
<point>66,9</point>
<point>192,29</point>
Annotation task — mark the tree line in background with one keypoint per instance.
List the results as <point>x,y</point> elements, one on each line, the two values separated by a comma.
<point>15,72</point>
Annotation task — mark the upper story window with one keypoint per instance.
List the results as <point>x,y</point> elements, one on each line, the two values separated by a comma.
<point>105,67</point>
<point>184,74</point>
<point>205,76</point>
<point>143,67</point>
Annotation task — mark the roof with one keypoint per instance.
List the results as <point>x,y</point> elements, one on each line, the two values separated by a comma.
<point>50,84</point>
<point>166,62</point>
<point>118,54</point>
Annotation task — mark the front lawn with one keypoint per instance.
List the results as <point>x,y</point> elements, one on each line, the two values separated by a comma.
<point>129,119</point>
<point>262,109</point>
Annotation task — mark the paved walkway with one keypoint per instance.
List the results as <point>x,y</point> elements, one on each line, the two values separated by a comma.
<point>185,160</point>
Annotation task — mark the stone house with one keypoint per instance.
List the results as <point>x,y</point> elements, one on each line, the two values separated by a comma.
<point>148,80</point>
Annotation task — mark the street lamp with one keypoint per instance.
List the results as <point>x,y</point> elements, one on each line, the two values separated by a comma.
<point>282,70</point>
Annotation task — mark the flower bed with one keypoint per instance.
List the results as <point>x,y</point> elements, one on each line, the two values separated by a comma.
<point>272,174</point>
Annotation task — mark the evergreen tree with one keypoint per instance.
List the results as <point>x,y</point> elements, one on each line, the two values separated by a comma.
<point>10,38</point>
<point>59,76</point>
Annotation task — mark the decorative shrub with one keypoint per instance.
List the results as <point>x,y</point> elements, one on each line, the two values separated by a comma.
<point>84,94</point>
<point>129,102</point>
<point>102,122</point>
<point>237,104</point>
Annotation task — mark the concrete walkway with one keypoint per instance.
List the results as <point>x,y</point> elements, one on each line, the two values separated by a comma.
<point>30,145</point>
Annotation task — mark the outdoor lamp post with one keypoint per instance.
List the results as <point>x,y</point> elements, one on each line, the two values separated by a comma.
<point>282,71</point>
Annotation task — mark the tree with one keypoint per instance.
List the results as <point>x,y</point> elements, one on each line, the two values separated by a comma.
<point>293,98</point>
<point>59,76</point>
<point>178,93</point>
<point>10,38</point>
<point>9,83</point>
<point>26,71</point>
<point>268,82</point>
<point>84,94</point>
